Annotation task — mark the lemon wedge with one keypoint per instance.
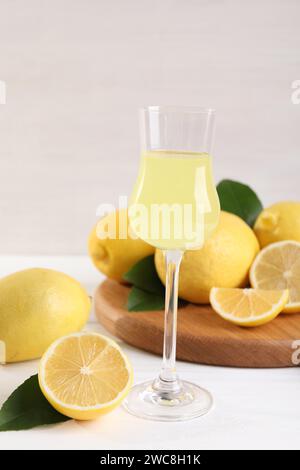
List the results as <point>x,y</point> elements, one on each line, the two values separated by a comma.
<point>248,307</point>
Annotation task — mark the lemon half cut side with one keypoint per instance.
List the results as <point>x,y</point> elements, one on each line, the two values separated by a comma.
<point>277,266</point>
<point>84,375</point>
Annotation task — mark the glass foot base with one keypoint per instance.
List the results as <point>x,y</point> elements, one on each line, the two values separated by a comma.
<point>186,402</point>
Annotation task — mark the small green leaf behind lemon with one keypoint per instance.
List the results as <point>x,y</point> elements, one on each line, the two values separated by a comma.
<point>239,199</point>
<point>140,301</point>
<point>143,275</point>
<point>148,292</point>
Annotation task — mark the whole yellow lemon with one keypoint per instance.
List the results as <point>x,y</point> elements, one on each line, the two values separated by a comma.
<point>37,306</point>
<point>281,221</point>
<point>116,251</point>
<point>224,260</point>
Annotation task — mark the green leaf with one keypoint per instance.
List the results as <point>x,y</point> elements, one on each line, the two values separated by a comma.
<point>239,199</point>
<point>141,301</point>
<point>148,292</point>
<point>143,275</point>
<point>27,408</point>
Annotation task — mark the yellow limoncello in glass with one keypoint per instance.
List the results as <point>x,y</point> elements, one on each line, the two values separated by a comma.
<point>174,203</point>
<point>174,206</point>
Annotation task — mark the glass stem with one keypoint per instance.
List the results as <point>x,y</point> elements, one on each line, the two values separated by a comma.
<point>168,377</point>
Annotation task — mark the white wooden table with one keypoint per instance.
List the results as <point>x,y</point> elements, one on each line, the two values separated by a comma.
<point>253,408</point>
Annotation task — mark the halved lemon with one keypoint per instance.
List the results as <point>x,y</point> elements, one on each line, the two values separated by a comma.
<point>277,266</point>
<point>85,375</point>
<point>248,307</point>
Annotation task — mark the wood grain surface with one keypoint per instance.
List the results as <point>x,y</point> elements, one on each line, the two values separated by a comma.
<point>203,336</point>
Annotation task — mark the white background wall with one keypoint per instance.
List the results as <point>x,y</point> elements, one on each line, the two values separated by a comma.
<point>77,70</point>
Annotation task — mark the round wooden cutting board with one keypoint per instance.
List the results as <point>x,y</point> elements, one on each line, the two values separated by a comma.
<point>203,336</point>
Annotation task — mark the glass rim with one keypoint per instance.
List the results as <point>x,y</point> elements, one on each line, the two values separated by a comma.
<point>178,109</point>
